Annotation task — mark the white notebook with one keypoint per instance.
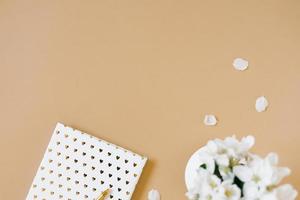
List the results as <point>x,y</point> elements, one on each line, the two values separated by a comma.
<point>78,166</point>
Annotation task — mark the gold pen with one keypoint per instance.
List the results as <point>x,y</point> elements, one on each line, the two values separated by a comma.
<point>103,194</point>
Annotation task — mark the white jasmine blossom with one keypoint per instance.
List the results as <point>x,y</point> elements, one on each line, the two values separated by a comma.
<point>229,150</point>
<point>228,171</point>
<point>231,191</point>
<point>206,185</point>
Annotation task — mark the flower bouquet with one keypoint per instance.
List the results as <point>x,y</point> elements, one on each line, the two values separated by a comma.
<point>226,170</point>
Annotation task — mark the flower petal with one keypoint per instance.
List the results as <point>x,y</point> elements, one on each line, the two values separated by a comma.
<point>286,192</point>
<point>243,173</point>
<point>240,64</point>
<point>272,158</point>
<point>248,142</point>
<point>210,120</point>
<point>153,195</point>
<point>261,104</point>
<point>250,190</point>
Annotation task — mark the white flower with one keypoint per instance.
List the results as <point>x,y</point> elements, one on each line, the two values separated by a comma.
<point>153,195</point>
<point>226,154</point>
<point>205,186</point>
<point>228,171</point>
<point>263,172</point>
<point>207,161</point>
<point>284,192</point>
<point>231,191</point>
<point>229,149</point>
<point>278,172</point>
<point>251,191</point>
<point>258,171</point>
<point>240,147</point>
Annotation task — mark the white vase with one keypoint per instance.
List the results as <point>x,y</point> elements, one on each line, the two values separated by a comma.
<point>191,168</point>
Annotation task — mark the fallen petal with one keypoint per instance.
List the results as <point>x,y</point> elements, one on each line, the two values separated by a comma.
<point>261,104</point>
<point>153,195</point>
<point>210,120</point>
<point>240,64</point>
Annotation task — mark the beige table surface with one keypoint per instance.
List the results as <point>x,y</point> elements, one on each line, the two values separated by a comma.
<point>142,74</point>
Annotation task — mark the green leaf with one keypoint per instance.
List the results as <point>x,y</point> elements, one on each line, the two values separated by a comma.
<point>204,166</point>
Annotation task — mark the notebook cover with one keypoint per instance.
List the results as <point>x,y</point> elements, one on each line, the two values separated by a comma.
<point>79,166</point>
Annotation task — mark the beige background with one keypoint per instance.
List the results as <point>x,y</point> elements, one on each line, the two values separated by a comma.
<point>142,74</point>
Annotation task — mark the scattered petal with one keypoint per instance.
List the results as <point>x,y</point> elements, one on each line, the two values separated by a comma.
<point>153,195</point>
<point>261,104</point>
<point>210,120</point>
<point>240,64</point>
